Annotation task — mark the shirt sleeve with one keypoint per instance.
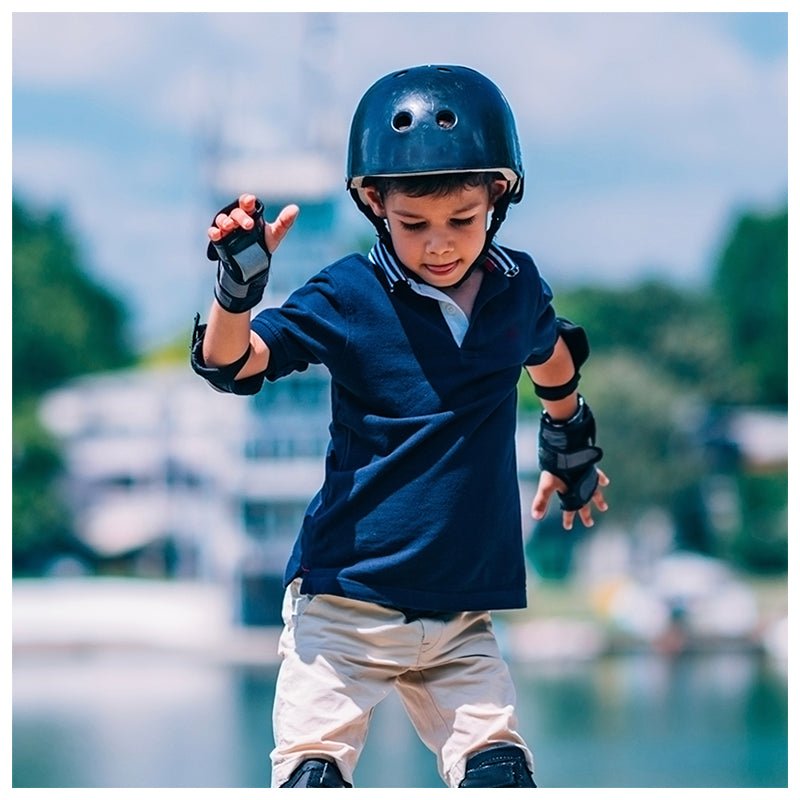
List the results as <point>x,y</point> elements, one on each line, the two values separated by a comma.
<point>309,328</point>
<point>544,330</point>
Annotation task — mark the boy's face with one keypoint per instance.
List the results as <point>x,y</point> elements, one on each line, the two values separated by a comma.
<point>437,238</point>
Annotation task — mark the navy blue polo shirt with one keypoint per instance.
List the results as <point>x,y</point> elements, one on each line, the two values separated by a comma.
<point>420,505</point>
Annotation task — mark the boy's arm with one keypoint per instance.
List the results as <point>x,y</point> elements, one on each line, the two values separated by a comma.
<point>568,422</point>
<point>227,337</point>
<point>226,341</point>
<point>558,370</point>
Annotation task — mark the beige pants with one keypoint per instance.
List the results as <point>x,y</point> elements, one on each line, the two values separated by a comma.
<point>342,657</point>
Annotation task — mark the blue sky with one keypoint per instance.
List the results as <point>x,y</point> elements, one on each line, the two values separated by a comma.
<point>643,134</point>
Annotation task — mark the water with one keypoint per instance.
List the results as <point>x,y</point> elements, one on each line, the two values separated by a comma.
<point>138,719</point>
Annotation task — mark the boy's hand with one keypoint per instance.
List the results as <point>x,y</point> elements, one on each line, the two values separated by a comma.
<point>568,457</point>
<point>549,484</point>
<point>243,242</point>
<point>242,217</point>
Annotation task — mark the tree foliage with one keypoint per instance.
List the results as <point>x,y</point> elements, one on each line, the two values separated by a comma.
<point>41,522</point>
<point>752,290</point>
<point>663,357</point>
<point>677,332</point>
<point>64,324</point>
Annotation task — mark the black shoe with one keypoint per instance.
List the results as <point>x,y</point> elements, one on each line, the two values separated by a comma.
<point>316,773</point>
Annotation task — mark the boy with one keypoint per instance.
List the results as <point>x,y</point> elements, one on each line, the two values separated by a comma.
<point>416,532</point>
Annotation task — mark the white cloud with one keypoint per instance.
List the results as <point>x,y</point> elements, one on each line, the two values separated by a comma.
<point>638,75</point>
<point>53,172</point>
<point>642,78</point>
<point>159,63</point>
<point>79,49</point>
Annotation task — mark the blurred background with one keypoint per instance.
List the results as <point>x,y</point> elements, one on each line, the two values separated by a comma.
<point>152,516</point>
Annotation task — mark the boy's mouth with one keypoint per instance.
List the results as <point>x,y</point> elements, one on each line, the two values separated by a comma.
<point>442,269</point>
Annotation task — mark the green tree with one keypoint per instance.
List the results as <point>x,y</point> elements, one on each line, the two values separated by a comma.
<point>682,333</point>
<point>657,353</point>
<point>64,324</point>
<point>751,284</point>
<point>662,357</point>
<point>41,522</point>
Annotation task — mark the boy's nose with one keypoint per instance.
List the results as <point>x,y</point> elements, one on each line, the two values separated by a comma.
<point>439,244</point>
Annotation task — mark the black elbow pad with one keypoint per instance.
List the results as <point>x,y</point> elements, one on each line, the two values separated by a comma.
<point>575,339</point>
<point>577,343</point>
<point>223,379</point>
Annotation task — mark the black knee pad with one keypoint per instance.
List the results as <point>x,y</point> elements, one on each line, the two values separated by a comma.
<point>497,767</point>
<point>316,773</point>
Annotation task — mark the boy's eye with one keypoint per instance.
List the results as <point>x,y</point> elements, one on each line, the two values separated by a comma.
<point>456,222</point>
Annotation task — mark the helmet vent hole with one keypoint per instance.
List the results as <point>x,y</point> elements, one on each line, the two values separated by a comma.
<point>446,119</point>
<point>402,121</point>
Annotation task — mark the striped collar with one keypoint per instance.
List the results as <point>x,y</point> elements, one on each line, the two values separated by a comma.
<point>496,258</point>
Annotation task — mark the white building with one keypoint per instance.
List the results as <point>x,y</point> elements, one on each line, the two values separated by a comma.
<point>153,460</point>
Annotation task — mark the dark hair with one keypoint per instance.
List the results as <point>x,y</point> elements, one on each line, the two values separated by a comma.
<point>438,184</point>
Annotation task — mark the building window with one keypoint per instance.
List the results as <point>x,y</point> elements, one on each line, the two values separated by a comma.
<point>267,520</point>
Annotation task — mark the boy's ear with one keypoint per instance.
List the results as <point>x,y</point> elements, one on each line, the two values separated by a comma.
<point>496,190</point>
<point>373,197</point>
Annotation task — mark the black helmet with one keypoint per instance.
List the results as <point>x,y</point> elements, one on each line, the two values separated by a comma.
<point>433,119</point>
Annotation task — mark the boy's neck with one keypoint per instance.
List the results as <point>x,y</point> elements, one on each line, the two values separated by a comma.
<point>464,295</point>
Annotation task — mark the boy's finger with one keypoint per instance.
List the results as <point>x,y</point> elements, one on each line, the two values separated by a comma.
<point>242,218</point>
<point>542,499</point>
<point>549,484</point>
<point>538,507</point>
<point>225,223</point>
<point>247,202</point>
<point>278,229</point>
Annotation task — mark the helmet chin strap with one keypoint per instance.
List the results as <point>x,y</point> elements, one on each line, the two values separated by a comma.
<point>498,216</point>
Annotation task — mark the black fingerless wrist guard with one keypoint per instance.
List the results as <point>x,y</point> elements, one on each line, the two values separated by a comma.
<point>567,450</point>
<point>244,262</point>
